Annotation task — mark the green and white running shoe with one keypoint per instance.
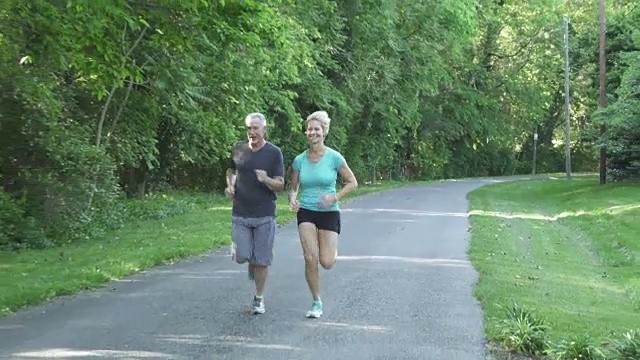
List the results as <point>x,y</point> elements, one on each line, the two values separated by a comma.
<point>316,309</point>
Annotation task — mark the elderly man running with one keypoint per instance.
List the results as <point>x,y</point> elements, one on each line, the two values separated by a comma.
<point>254,175</point>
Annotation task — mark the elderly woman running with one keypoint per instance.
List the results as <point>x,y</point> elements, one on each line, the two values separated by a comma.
<point>316,171</point>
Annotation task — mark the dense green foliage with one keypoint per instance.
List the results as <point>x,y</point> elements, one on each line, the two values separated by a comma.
<point>102,100</point>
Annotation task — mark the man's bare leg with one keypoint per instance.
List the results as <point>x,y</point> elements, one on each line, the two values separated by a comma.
<point>260,273</point>
<point>262,256</point>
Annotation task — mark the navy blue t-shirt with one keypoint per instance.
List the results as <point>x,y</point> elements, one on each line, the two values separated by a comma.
<point>253,198</point>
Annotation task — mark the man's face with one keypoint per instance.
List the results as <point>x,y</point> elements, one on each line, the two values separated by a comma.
<point>255,131</point>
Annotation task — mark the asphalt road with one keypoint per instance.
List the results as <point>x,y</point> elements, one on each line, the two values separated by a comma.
<point>401,289</point>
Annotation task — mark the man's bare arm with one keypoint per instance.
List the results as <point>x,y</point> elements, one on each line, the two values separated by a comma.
<point>231,173</point>
<point>276,184</point>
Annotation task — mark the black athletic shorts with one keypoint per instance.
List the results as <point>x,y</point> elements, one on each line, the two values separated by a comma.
<point>323,220</point>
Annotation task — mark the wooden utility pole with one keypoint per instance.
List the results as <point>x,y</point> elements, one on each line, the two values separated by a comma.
<point>567,125</point>
<point>603,88</point>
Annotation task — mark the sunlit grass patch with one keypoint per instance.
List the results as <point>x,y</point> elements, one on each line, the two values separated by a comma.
<point>569,249</point>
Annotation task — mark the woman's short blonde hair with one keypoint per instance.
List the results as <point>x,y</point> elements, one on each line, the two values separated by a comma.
<point>323,118</point>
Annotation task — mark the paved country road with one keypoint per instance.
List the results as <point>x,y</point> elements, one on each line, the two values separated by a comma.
<point>401,289</point>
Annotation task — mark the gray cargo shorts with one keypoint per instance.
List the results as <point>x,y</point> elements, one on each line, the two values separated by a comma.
<point>253,239</point>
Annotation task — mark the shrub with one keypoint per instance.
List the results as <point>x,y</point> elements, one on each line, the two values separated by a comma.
<point>522,331</point>
<point>627,347</point>
<point>17,230</point>
<point>577,347</point>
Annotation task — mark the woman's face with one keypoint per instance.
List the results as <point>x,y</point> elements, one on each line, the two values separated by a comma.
<point>314,132</point>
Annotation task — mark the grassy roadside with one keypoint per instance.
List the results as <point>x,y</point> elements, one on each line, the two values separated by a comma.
<point>567,252</point>
<point>175,226</point>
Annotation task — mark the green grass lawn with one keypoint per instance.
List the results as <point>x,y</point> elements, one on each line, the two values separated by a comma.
<point>167,234</point>
<point>568,250</point>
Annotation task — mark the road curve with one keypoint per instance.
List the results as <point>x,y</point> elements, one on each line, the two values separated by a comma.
<point>401,289</point>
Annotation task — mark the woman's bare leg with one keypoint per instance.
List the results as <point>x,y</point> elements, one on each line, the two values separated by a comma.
<point>309,241</point>
<point>328,245</point>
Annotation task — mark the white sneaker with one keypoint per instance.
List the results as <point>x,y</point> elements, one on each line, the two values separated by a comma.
<point>258,306</point>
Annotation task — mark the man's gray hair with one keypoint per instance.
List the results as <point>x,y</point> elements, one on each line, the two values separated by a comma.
<point>258,116</point>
